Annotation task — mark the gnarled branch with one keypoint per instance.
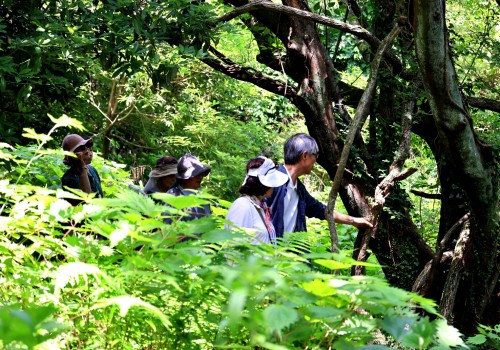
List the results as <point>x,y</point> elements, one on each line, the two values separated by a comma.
<point>359,118</point>
<point>224,65</point>
<point>358,31</point>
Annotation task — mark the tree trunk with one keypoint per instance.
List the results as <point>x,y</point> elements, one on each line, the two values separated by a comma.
<point>318,94</point>
<point>472,163</point>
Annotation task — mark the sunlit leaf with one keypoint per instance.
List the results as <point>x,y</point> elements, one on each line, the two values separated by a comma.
<point>280,316</point>
<point>65,121</point>
<point>69,274</point>
<point>126,302</point>
<point>448,335</point>
<point>319,288</point>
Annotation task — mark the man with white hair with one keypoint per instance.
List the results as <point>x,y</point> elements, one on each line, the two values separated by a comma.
<point>291,203</point>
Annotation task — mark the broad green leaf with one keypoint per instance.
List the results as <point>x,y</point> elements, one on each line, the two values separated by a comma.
<point>198,226</point>
<point>236,304</point>
<point>181,202</point>
<point>280,316</point>
<point>216,236</point>
<point>397,326</point>
<point>477,339</point>
<point>319,288</point>
<point>29,326</point>
<point>421,334</point>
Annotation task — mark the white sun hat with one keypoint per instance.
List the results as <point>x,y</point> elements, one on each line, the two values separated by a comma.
<point>268,174</point>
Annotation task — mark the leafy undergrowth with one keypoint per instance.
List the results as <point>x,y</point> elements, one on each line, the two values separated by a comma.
<point>109,274</point>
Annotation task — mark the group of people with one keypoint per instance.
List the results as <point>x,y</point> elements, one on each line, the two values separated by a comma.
<point>273,199</point>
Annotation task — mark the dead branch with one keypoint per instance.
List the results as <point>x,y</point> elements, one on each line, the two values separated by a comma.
<point>426,195</point>
<point>387,184</point>
<point>426,278</point>
<point>453,278</point>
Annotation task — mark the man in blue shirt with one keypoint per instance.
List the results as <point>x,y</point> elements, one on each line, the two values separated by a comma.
<point>291,203</point>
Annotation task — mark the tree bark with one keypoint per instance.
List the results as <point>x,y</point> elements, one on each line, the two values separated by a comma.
<point>466,168</point>
<point>472,163</point>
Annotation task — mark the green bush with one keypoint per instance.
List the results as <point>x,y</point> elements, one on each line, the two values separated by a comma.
<point>109,274</point>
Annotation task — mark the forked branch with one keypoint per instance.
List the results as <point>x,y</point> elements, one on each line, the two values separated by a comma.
<point>359,118</point>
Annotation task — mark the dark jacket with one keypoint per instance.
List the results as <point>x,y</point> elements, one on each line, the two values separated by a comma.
<point>194,212</point>
<point>71,179</point>
<point>307,206</point>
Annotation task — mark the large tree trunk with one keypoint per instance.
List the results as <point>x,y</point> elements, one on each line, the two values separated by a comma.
<point>472,164</point>
<point>396,242</point>
<point>318,94</point>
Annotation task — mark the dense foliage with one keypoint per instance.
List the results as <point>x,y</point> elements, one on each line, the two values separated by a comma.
<point>136,77</point>
<point>109,274</point>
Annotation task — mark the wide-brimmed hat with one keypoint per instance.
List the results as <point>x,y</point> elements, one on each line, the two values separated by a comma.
<point>189,166</point>
<point>268,174</point>
<point>73,141</point>
<point>165,170</point>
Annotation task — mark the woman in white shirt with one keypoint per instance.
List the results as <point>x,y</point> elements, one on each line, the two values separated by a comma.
<point>249,211</point>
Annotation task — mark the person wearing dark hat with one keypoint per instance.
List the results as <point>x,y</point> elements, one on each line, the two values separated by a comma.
<point>249,210</point>
<point>162,177</point>
<point>80,175</point>
<point>190,174</point>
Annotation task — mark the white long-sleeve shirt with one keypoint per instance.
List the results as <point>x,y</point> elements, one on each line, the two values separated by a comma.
<point>244,213</point>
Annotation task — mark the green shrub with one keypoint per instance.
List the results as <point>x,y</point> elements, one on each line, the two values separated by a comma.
<point>112,275</point>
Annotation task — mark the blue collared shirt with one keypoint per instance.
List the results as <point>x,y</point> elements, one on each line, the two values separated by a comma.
<point>307,206</point>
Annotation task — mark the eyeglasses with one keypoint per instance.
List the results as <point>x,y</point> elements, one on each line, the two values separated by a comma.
<point>83,148</point>
<point>316,155</point>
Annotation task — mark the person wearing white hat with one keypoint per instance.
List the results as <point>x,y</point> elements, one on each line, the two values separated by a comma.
<point>162,177</point>
<point>249,210</point>
<point>80,175</point>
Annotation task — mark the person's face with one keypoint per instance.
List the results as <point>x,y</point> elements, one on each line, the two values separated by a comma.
<point>84,153</point>
<point>166,182</point>
<point>193,183</point>
<point>268,193</point>
<point>307,162</point>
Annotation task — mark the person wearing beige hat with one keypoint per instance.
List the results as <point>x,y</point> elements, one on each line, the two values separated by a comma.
<point>80,175</point>
<point>162,177</point>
